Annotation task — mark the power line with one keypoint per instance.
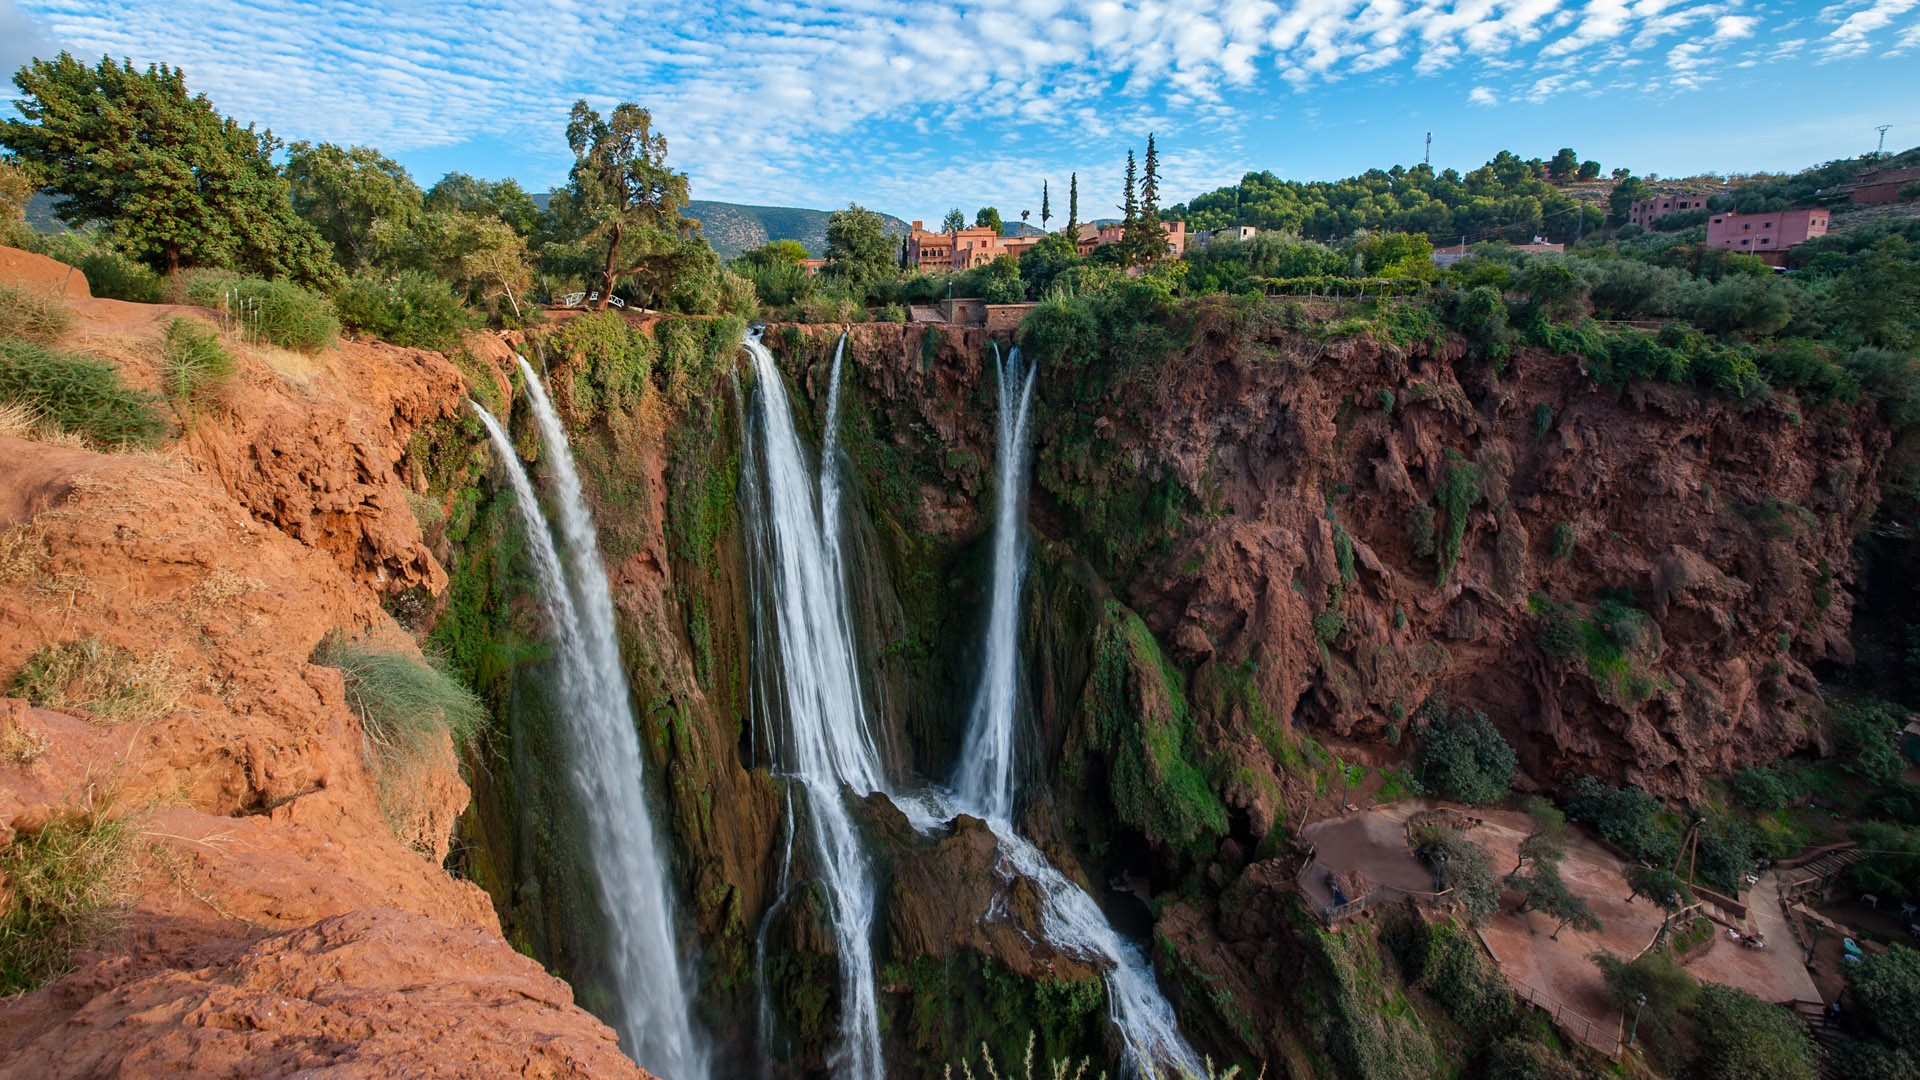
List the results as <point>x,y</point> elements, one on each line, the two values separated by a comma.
<point>1881,150</point>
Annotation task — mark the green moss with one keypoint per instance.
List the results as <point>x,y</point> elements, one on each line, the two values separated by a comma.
<point>944,1008</point>
<point>1459,490</point>
<point>1138,712</point>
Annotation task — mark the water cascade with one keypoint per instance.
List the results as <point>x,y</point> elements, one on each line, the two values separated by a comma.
<point>653,993</point>
<point>794,523</point>
<point>985,784</point>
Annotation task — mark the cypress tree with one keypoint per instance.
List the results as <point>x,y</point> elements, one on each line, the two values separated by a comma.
<point>1073,206</point>
<point>1046,208</point>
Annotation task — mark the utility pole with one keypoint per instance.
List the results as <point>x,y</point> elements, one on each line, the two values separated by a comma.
<point>1881,150</point>
<point>1427,158</point>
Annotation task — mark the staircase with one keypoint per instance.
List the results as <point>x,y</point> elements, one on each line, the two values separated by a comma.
<point>1812,881</point>
<point>1814,1015</point>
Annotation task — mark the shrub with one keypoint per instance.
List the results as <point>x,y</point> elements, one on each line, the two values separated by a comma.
<point>1463,866</point>
<point>37,317</point>
<point>1863,734</point>
<point>404,703</point>
<point>1627,816</point>
<point>1669,990</point>
<point>1559,636</point>
<point>78,394</point>
<point>1420,529</point>
<point>1892,865</point>
<point>1446,963</point>
<point>1885,992</point>
<point>1739,1037</point>
<point>116,277</point>
<point>63,880</point>
<point>275,311</point>
<point>1465,757</point>
<point>1760,788</point>
<point>1563,540</point>
<point>1459,490</point>
<point>193,360</point>
<point>609,361</point>
<point>413,309</point>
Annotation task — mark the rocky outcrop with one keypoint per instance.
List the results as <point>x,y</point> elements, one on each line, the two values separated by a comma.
<point>282,911</point>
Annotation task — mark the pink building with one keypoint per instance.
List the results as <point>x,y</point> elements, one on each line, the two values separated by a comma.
<point>1095,236</point>
<point>1765,232</point>
<point>1882,186</point>
<point>1647,211</point>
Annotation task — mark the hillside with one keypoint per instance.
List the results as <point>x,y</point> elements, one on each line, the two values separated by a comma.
<point>733,228</point>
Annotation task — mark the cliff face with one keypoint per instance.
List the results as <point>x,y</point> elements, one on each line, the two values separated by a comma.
<point>1354,525</point>
<point>282,911</point>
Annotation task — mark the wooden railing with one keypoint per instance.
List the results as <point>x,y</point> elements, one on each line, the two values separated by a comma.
<point>1602,1037</point>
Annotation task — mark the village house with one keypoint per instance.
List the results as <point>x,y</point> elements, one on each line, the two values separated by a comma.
<point>1751,233</point>
<point>1203,237</point>
<point>1647,211</point>
<point>963,250</point>
<point>1880,186</point>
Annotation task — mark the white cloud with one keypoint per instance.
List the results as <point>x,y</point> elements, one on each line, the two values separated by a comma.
<point>785,99</point>
<point>20,39</point>
<point>1853,36</point>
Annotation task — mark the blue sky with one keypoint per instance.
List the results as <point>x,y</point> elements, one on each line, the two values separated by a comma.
<point>911,108</point>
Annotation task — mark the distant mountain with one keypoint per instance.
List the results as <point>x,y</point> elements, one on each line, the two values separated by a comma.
<point>40,214</point>
<point>732,228</point>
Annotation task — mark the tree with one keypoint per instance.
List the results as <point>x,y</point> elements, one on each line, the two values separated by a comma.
<point>1628,817</point>
<point>1891,868</point>
<point>504,199</point>
<point>1465,758</point>
<point>1589,170</point>
<point>1073,206</point>
<point>1046,206</point>
<point>1885,992</point>
<point>955,221</point>
<point>1669,990</point>
<point>1141,239</point>
<point>858,251</point>
<point>1659,885</point>
<point>1545,890</point>
<point>988,217</point>
<point>1625,193</point>
<point>1739,1037</point>
<point>624,193</point>
<point>1879,298</point>
<point>1463,866</point>
<point>1150,183</point>
<point>174,183</point>
<point>1564,165</point>
<point>775,253</point>
<point>1548,840</point>
<point>1045,261</point>
<point>355,196</point>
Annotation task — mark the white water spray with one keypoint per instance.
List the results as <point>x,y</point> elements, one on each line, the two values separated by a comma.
<point>985,781</point>
<point>829,746</point>
<point>653,993</point>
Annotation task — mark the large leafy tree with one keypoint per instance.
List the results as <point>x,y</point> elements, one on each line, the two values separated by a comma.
<point>988,217</point>
<point>625,198</point>
<point>858,250</point>
<point>357,197</point>
<point>504,199</point>
<point>174,183</point>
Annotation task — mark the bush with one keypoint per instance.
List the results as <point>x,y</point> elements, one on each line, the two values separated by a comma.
<point>1670,991</point>
<point>193,361</point>
<point>413,309</point>
<point>1628,817</point>
<point>403,703</point>
<point>1885,993</point>
<point>34,316</point>
<point>1760,788</point>
<point>274,311</point>
<point>1444,961</point>
<point>1864,734</point>
<point>1739,1037</point>
<point>63,880</point>
<point>80,395</point>
<point>608,362</point>
<point>116,277</point>
<point>1465,757</point>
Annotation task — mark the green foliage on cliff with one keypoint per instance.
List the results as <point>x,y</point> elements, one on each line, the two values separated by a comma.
<point>64,879</point>
<point>78,394</point>
<point>951,1006</point>
<point>1443,960</point>
<point>411,309</point>
<point>279,312</point>
<point>608,362</point>
<point>1465,756</point>
<point>1627,816</point>
<point>1459,490</point>
<point>1737,1036</point>
<point>1137,709</point>
<point>1359,1021</point>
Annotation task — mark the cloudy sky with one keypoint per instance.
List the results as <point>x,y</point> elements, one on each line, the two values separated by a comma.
<point>911,108</point>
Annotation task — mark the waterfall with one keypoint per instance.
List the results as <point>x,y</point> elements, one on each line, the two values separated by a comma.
<point>985,778</point>
<point>984,784</point>
<point>828,746</point>
<point>653,992</point>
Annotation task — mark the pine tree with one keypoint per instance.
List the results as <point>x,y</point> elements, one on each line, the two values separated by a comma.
<point>175,184</point>
<point>1046,207</point>
<point>1150,183</point>
<point>1139,233</point>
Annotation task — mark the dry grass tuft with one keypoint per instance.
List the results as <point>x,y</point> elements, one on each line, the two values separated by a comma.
<point>19,420</point>
<point>102,679</point>
<point>64,882</point>
<point>40,317</point>
<point>22,745</point>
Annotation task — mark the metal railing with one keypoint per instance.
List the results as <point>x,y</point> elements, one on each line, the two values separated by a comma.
<point>1602,1037</point>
